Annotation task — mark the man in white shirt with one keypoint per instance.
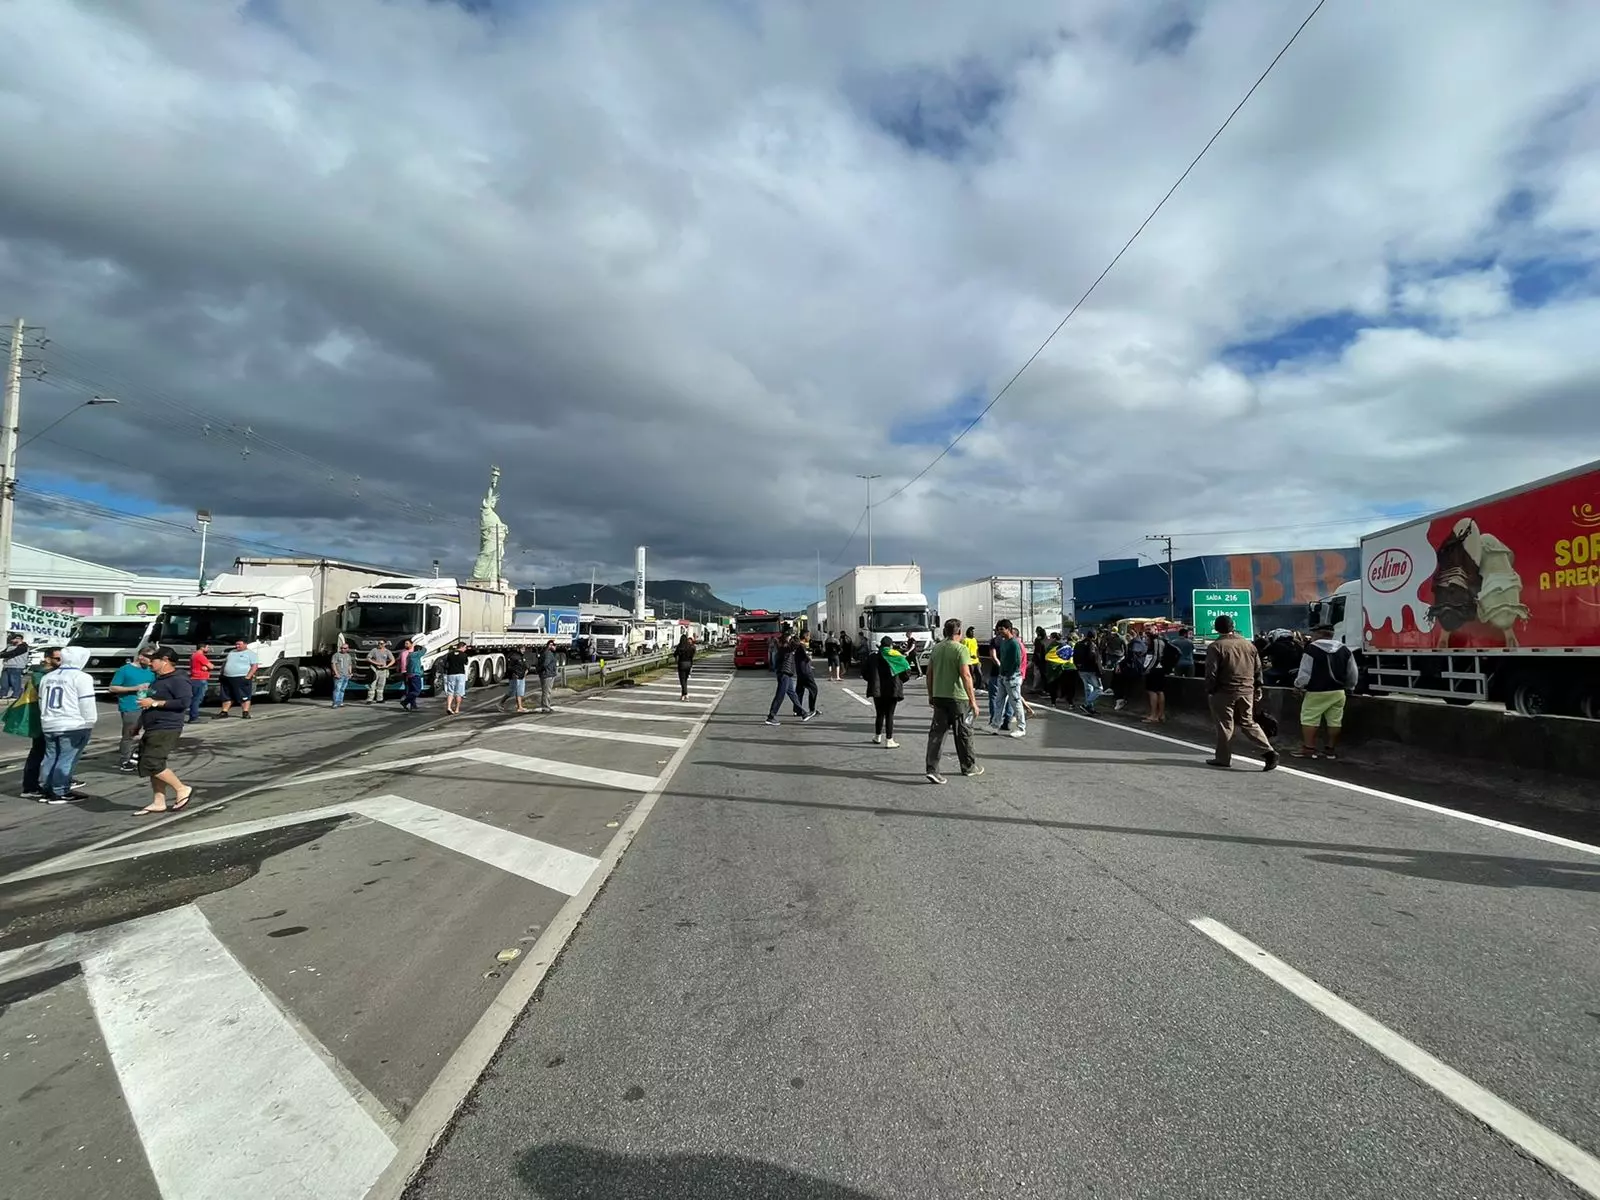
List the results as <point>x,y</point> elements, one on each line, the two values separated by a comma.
<point>67,713</point>
<point>239,678</point>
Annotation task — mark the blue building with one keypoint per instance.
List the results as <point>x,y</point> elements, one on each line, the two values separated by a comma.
<point>1281,584</point>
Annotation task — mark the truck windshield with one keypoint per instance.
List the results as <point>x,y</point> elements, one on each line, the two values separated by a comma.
<point>760,624</point>
<point>97,634</point>
<point>377,619</point>
<point>207,626</point>
<point>899,620</point>
<point>604,630</point>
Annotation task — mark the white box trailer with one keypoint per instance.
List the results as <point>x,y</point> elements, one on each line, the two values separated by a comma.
<point>1028,601</point>
<point>869,602</point>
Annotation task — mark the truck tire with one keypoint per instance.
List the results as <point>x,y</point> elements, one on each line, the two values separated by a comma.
<point>282,685</point>
<point>1531,696</point>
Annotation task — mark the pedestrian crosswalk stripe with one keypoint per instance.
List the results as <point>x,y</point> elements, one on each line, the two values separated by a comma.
<point>687,717</point>
<point>604,735</point>
<point>227,1096</point>
<point>690,705</point>
<point>554,867</point>
<point>629,780</point>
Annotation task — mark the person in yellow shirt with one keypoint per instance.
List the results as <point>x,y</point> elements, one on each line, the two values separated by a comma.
<point>971,643</point>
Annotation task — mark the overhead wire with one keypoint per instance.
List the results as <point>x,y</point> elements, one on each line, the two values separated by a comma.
<point>851,538</point>
<point>1126,246</point>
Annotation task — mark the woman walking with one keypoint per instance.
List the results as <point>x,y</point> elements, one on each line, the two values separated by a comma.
<point>684,655</point>
<point>835,663</point>
<point>885,688</point>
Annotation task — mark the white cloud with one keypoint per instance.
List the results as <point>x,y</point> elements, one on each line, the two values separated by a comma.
<point>661,263</point>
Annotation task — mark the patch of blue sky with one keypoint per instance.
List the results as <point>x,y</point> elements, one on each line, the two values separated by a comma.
<point>935,111</point>
<point>92,492</point>
<point>777,599</point>
<point>937,428</point>
<point>1325,336</point>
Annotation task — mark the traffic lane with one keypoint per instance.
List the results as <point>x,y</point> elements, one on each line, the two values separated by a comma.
<point>814,961</point>
<point>1476,943</point>
<point>214,757</point>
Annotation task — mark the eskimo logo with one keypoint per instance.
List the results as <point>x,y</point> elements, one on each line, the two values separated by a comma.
<point>1390,571</point>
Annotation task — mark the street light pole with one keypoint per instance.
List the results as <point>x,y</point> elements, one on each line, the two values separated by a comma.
<point>203,519</point>
<point>8,455</point>
<point>869,479</point>
<point>92,402</point>
<point>1172,599</point>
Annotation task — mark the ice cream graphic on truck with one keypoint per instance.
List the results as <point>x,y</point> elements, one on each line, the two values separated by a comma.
<point>1497,599</point>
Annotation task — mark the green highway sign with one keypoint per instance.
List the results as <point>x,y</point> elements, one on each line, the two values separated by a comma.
<point>1211,603</point>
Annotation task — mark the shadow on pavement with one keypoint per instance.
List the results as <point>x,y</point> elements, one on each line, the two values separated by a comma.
<point>562,1170</point>
<point>1481,870</point>
<point>907,779</point>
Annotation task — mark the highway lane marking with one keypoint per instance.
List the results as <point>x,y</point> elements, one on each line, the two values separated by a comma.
<point>688,717</point>
<point>857,698</point>
<point>554,867</point>
<point>626,780</point>
<point>539,862</point>
<point>1570,1161</point>
<point>1346,785</point>
<point>604,735</point>
<point>460,1074</point>
<point>227,1096</point>
<point>605,702</point>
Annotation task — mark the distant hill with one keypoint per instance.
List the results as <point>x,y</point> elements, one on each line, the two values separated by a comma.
<point>663,595</point>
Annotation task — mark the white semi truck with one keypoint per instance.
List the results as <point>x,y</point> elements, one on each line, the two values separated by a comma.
<point>285,609</point>
<point>434,614</point>
<point>112,641</point>
<point>1028,601</point>
<point>873,601</point>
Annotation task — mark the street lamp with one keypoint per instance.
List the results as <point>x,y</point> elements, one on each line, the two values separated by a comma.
<point>202,518</point>
<point>92,402</point>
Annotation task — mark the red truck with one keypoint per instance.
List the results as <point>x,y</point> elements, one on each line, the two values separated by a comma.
<point>1494,600</point>
<point>753,633</point>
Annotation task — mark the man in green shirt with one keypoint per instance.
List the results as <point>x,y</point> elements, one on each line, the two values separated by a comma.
<point>949,684</point>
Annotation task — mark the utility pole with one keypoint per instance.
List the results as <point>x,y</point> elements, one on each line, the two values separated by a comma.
<point>203,519</point>
<point>1172,599</point>
<point>12,417</point>
<point>869,479</point>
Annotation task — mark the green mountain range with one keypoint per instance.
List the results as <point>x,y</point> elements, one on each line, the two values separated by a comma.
<point>666,596</point>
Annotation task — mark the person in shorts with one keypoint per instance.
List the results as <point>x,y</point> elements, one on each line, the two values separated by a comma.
<point>516,678</point>
<point>165,712</point>
<point>455,678</point>
<point>238,678</point>
<point>1327,674</point>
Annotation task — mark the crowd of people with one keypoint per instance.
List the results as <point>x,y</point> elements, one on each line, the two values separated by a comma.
<point>1079,667</point>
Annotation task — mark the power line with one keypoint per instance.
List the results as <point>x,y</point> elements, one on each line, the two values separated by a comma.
<point>973,424</point>
<point>849,539</point>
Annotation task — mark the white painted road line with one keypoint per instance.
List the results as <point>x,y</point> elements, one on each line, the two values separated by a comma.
<point>689,705</point>
<point>688,717</point>
<point>393,764</point>
<point>554,867</point>
<point>627,780</point>
<point>228,1099</point>
<point>859,699</point>
<point>668,683</point>
<point>1345,785</point>
<point>604,735</point>
<point>1554,1151</point>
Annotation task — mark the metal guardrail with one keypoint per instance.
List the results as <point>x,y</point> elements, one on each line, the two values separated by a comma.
<point>609,671</point>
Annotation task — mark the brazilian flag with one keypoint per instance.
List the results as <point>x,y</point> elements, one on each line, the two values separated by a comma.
<point>898,663</point>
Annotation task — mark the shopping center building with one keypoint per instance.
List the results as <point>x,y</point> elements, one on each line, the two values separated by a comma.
<point>44,579</point>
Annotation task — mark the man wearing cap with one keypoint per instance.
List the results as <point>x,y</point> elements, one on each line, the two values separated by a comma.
<point>1233,687</point>
<point>166,711</point>
<point>1327,673</point>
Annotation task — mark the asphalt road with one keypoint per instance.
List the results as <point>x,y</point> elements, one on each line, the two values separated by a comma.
<point>817,975</point>
<point>813,974</point>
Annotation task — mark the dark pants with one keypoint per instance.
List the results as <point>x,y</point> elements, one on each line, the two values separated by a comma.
<point>413,690</point>
<point>949,715</point>
<point>130,734</point>
<point>30,768</point>
<point>806,687</point>
<point>683,678</point>
<point>785,688</point>
<point>10,682</point>
<point>884,722</point>
<point>197,696</point>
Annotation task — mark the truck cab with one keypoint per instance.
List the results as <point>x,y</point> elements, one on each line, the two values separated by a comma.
<point>897,615</point>
<point>609,636</point>
<point>111,642</point>
<point>273,617</point>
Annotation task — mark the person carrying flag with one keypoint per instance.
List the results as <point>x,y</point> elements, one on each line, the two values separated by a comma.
<point>886,687</point>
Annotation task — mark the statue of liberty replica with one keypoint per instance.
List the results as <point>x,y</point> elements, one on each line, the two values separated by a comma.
<point>490,565</point>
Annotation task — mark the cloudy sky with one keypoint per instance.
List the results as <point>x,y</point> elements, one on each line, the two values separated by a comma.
<point>684,270</point>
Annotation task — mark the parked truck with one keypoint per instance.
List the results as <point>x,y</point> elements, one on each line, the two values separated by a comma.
<point>1028,601</point>
<point>1498,599</point>
<point>434,615</point>
<point>112,641</point>
<point>285,609</point>
<point>753,634</point>
<point>559,625</point>
<point>869,602</point>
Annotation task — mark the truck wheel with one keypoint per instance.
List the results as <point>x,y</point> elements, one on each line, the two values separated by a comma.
<point>1589,702</point>
<point>1531,696</point>
<point>282,685</point>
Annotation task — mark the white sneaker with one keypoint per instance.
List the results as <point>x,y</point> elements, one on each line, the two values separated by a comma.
<point>877,739</point>
<point>1016,733</point>
<point>892,744</point>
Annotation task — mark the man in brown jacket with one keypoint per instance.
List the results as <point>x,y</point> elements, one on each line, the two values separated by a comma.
<point>1233,686</point>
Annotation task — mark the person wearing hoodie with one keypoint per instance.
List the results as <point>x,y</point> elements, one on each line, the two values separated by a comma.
<point>1327,673</point>
<point>885,688</point>
<point>67,713</point>
<point>22,720</point>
